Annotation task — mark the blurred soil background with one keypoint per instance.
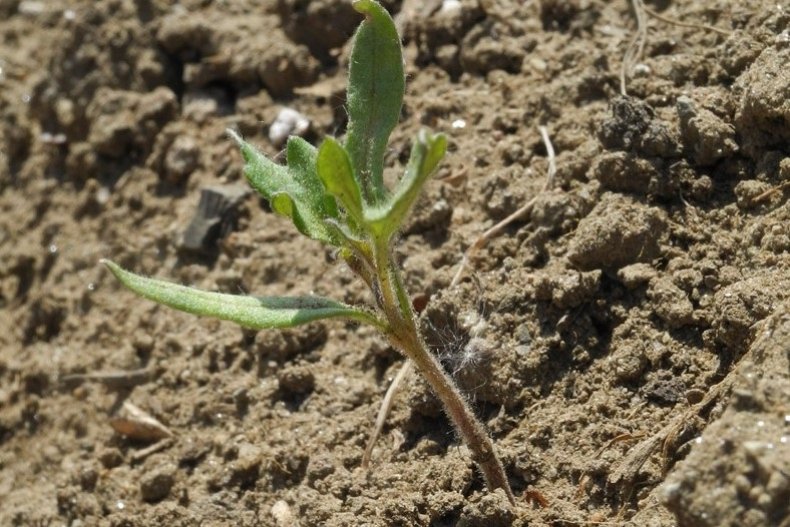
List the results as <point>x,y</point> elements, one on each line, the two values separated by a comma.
<point>626,341</point>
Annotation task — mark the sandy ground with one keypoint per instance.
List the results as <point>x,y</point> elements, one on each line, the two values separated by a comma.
<point>626,341</point>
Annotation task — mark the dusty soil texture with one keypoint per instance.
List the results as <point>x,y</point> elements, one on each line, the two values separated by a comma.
<point>626,342</point>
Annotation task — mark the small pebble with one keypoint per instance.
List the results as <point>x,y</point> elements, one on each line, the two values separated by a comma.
<point>156,485</point>
<point>30,7</point>
<point>282,514</point>
<point>289,122</point>
<point>783,38</point>
<point>182,159</point>
<point>450,7</point>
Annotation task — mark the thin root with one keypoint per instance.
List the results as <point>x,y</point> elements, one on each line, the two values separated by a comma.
<point>637,45</point>
<point>618,439</point>
<point>384,410</point>
<point>690,25</point>
<point>770,192</point>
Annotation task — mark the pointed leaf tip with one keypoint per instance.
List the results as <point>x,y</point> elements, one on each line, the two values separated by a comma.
<point>233,134</point>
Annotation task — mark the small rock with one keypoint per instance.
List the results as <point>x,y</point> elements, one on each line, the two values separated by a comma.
<point>282,514</point>
<point>538,64</point>
<point>664,391</point>
<point>65,112</point>
<point>215,216</point>
<point>31,7</point>
<point>670,303</point>
<point>450,7</point>
<point>110,457</point>
<point>156,484</point>
<point>181,159</point>
<point>88,477</point>
<point>629,364</point>
<point>137,424</point>
<point>297,379</point>
<point>288,122</point>
<point>523,334</point>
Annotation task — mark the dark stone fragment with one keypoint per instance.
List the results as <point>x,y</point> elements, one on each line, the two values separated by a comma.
<point>215,217</point>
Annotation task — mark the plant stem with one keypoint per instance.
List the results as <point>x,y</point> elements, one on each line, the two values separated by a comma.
<point>468,426</point>
<point>404,335</point>
<point>382,270</point>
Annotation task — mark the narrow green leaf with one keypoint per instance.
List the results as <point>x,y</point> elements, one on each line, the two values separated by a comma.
<point>295,192</point>
<point>334,170</point>
<point>302,157</point>
<point>426,153</point>
<point>248,311</point>
<point>375,94</point>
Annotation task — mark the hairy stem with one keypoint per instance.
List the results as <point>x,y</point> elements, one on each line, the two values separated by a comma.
<point>467,425</point>
<point>384,277</point>
<point>404,335</point>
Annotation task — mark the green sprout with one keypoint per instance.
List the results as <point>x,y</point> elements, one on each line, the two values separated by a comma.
<point>336,194</point>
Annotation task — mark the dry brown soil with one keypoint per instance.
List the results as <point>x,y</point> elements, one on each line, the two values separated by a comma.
<point>626,342</point>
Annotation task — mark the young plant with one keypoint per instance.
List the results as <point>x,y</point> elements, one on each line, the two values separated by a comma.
<point>336,194</point>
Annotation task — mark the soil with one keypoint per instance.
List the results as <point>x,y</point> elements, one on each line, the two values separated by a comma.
<point>626,342</point>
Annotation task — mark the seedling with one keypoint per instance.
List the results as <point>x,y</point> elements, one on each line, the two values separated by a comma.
<point>336,194</point>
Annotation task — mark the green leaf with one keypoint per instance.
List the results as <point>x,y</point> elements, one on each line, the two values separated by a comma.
<point>334,170</point>
<point>302,158</point>
<point>294,191</point>
<point>248,311</point>
<point>375,94</point>
<point>426,153</point>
